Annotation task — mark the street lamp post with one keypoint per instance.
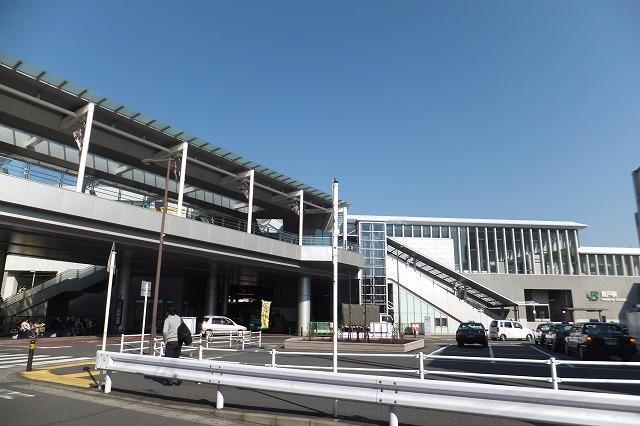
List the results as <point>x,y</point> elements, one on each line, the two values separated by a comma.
<point>156,287</point>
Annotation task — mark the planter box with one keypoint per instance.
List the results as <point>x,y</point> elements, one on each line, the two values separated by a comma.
<point>299,344</point>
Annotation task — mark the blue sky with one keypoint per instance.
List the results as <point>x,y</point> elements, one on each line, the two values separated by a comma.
<point>495,109</point>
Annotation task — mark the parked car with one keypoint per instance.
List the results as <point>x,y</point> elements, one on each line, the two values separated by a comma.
<point>471,332</point>
<point>509,330</point>
<point>215,324</point>
<point>555,337</point>
<point>599,339</point>
<point>539,336</point>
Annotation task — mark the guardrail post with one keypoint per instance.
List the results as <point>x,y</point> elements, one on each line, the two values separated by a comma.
<point>273,358</point>
<point>554,373</point>
<point>200,352</point>
<point>243,337</point>
<point>219,398</point>
<point>421,356</point>
<point>107,382</point>
<point>393,416</point>
<point>121,343</point>
<point>260,339</point>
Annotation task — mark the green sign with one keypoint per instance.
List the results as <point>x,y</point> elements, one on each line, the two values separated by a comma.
<point>593,296</point>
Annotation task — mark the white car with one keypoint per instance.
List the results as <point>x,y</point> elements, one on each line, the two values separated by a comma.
<point>214,324</point>
<point>509,330</point>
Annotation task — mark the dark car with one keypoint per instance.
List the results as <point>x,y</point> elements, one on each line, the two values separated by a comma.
<point>471,332</point>
<point>599,339</point>
<point>556,336</point>
<point>540,334</point>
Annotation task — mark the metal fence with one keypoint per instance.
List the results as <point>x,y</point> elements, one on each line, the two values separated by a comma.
<point>512,402</point>
<point>138,343</point>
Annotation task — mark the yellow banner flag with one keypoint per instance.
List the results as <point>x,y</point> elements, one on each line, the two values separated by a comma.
<point>264,317</point>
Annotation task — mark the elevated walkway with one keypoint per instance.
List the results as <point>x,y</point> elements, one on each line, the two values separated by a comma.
<point>71,281</point>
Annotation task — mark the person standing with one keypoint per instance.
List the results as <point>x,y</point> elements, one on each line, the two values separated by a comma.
<point>173,346</point>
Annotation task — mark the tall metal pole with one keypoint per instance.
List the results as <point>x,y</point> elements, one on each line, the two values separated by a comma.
<point>334,258</point>
<point>156,287</point>
<point>111,265</point>
<point>144,320</point>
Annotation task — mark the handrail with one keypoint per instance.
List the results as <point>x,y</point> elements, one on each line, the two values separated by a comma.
<point>135,197</point>
<point>62,276</point>
<point>513,402</point>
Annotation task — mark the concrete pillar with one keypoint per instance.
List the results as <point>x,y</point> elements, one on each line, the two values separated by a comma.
<point>304,304</point>
<point>225,296</point>
<point>3,275</point>
<point>124,291</point>
<point>211,295</point>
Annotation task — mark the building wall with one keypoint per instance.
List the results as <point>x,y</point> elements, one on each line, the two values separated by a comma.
<point>513,286</point>
<point>438,249</point>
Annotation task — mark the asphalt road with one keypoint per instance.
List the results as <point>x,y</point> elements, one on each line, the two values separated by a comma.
<point>137,400</point>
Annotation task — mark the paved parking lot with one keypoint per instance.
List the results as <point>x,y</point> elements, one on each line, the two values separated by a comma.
<point>198,400</point>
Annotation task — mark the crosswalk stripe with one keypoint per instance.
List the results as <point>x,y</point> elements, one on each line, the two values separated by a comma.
<point>22,358</point>
<point>35,359</point>
<point>50,361</point>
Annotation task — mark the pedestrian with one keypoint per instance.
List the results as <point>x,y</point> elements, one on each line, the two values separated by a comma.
<point>173,346</point>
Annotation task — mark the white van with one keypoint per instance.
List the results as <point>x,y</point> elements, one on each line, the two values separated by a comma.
<point>509,330</point>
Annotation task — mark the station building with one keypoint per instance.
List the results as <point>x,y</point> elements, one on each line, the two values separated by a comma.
<point>437,272</point>
<point>80,171</point>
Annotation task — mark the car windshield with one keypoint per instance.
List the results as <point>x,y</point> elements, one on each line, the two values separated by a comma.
<point>565,327</point>
<point>603,330</point>
<point>545,327</point>
<point>477,327</point>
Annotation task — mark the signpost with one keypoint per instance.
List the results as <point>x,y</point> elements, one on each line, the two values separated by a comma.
<point>145,291</point>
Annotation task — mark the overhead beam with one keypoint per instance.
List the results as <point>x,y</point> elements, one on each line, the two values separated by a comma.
<point>287,196</point>
<point>33,142</point>
<point>73,118</point>
<point>229,179</point>
<point>122,169</point>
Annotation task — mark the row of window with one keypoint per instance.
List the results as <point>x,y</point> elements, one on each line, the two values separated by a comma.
<point>610,264</point>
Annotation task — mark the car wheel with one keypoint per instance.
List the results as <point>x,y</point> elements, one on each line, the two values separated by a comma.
<point>582,353</point>
<point>529,337</point>
<point>460,344</point>
<point>503,337</point>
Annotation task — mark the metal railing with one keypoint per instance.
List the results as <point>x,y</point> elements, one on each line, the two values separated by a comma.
<point>64,178</point>
<point>138,343</point>
<point>423,372</point>
<point>62,276</point>
<point>512,402</point>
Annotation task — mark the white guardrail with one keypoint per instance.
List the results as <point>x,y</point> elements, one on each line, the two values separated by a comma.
<point>513,402</point>
<point>138,343</point>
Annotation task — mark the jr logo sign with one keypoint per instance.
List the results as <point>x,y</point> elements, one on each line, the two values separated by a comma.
<point>593,295</point>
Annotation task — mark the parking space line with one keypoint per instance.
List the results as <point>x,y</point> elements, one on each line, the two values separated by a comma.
<point>550,354</point>
<point>491,353</point>
<point>438,350</point>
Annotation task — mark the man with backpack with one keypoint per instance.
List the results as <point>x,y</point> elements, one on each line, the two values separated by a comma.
<point>173,345</point>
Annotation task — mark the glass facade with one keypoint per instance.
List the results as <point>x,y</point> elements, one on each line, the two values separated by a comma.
<point>373,246</point>
<point>519,250</point>
<point>413,309</point>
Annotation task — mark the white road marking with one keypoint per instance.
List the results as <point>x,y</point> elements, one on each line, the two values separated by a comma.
<point>9,394</point>
<point>54,347</point>
<point>438,350</point>
<point>550,355</point>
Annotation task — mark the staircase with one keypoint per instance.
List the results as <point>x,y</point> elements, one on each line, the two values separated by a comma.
<point>72,280</point>
<point>460,297</point>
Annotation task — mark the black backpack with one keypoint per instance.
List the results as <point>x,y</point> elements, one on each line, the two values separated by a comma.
<point>184,334</point>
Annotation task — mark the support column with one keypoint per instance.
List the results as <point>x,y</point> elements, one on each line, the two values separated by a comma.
<point>345,227</point>
<point>250,209</point>
<point>300,218</point>
<point>211,298</point>
<point>225,296</point>
<point>304,304</point>
<point>183,171</point>
<point>86,137</point>
<point>3,262</point>
<point>123,291</point>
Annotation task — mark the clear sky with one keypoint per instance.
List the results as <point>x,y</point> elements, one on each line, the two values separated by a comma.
<point>492,109</point>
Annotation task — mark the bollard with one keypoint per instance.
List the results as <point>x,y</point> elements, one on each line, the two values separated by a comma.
<point>554,373</point>
<point>393,415</point>
<point>219,398</point>
<point>421,355</point>
<point>32,349</point>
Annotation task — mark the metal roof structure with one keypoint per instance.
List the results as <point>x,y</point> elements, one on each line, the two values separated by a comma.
<point>126,121</point>
<point>467,221</point>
